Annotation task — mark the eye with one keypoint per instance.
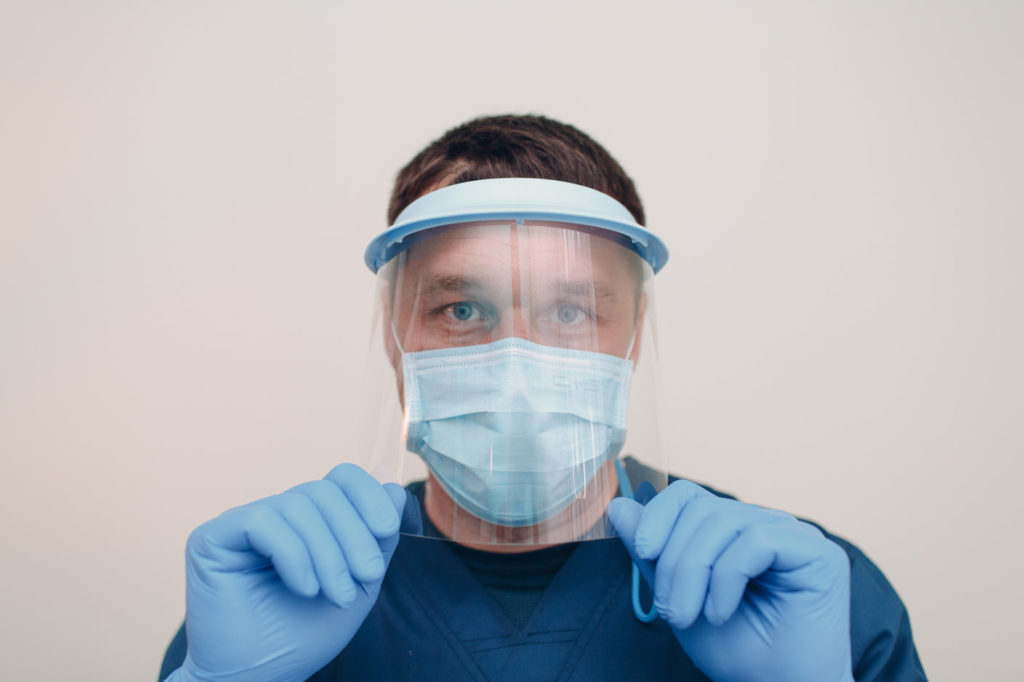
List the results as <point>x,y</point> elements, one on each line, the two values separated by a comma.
<point>463,311</point>
<point>570,314</point>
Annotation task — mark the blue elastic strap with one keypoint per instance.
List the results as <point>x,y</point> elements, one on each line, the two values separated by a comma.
<point>638,610</point>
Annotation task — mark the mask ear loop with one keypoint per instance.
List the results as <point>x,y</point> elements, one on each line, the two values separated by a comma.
<point>394,335</point>
<point>629,351</point>
<point>626,490</point>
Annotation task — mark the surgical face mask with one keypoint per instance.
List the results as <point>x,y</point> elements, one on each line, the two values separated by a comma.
<point>514,430</point>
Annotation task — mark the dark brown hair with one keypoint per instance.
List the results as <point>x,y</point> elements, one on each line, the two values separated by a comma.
<point>513,146</point>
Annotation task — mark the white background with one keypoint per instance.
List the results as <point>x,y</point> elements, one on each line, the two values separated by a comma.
<point>186,189</point>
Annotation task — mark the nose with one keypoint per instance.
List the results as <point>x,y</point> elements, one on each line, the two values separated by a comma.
<point>515,323</point>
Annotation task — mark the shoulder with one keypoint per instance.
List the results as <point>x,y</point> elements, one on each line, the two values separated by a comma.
<point>881,638</point>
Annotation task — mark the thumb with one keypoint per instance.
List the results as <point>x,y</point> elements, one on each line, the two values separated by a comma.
<point>398,497</point>
<point>625,516</point>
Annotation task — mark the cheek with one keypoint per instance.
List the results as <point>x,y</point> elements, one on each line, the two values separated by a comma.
<point>615,339</point>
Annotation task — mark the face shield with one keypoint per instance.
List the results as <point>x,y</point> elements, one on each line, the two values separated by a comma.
<point>513,361</point>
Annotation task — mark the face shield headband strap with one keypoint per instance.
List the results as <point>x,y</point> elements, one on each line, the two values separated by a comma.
<point>518,199</point>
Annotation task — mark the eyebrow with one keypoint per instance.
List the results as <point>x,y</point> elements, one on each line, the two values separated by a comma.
<point>448,284</point>
<point>597,289</point>
<point>457,283</point>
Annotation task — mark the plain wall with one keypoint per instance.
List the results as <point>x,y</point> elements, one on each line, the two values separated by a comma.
<point>186,189</point>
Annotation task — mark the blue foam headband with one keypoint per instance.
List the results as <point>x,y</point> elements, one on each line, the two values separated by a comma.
<point>515,199</point>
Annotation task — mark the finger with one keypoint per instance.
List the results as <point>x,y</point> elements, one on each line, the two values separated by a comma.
<point>261,529</point>
<point>362,555</point>
<point>788,547</point>
<point>369,498</point>
<point>625,515</point>
<point>660,514</point>
<point>305,518</point>
<point>678,580</point>
<point>399,497</point>
<point>708,540</point>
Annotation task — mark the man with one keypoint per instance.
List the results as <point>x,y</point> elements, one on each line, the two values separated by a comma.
<point>515,284</point>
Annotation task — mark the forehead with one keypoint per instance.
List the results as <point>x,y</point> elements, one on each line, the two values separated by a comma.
<point>543,250</point>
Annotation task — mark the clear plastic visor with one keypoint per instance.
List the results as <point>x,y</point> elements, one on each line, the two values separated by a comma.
<point>505,367</point>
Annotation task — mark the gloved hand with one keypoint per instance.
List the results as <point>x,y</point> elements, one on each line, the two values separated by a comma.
<point>750,593</point>
<point>275,589</point>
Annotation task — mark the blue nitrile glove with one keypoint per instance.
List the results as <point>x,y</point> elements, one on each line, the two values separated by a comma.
<point>750,593</point>
<point>275,589</point>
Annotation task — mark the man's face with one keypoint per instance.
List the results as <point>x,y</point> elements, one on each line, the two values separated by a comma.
<point>552,285</point>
